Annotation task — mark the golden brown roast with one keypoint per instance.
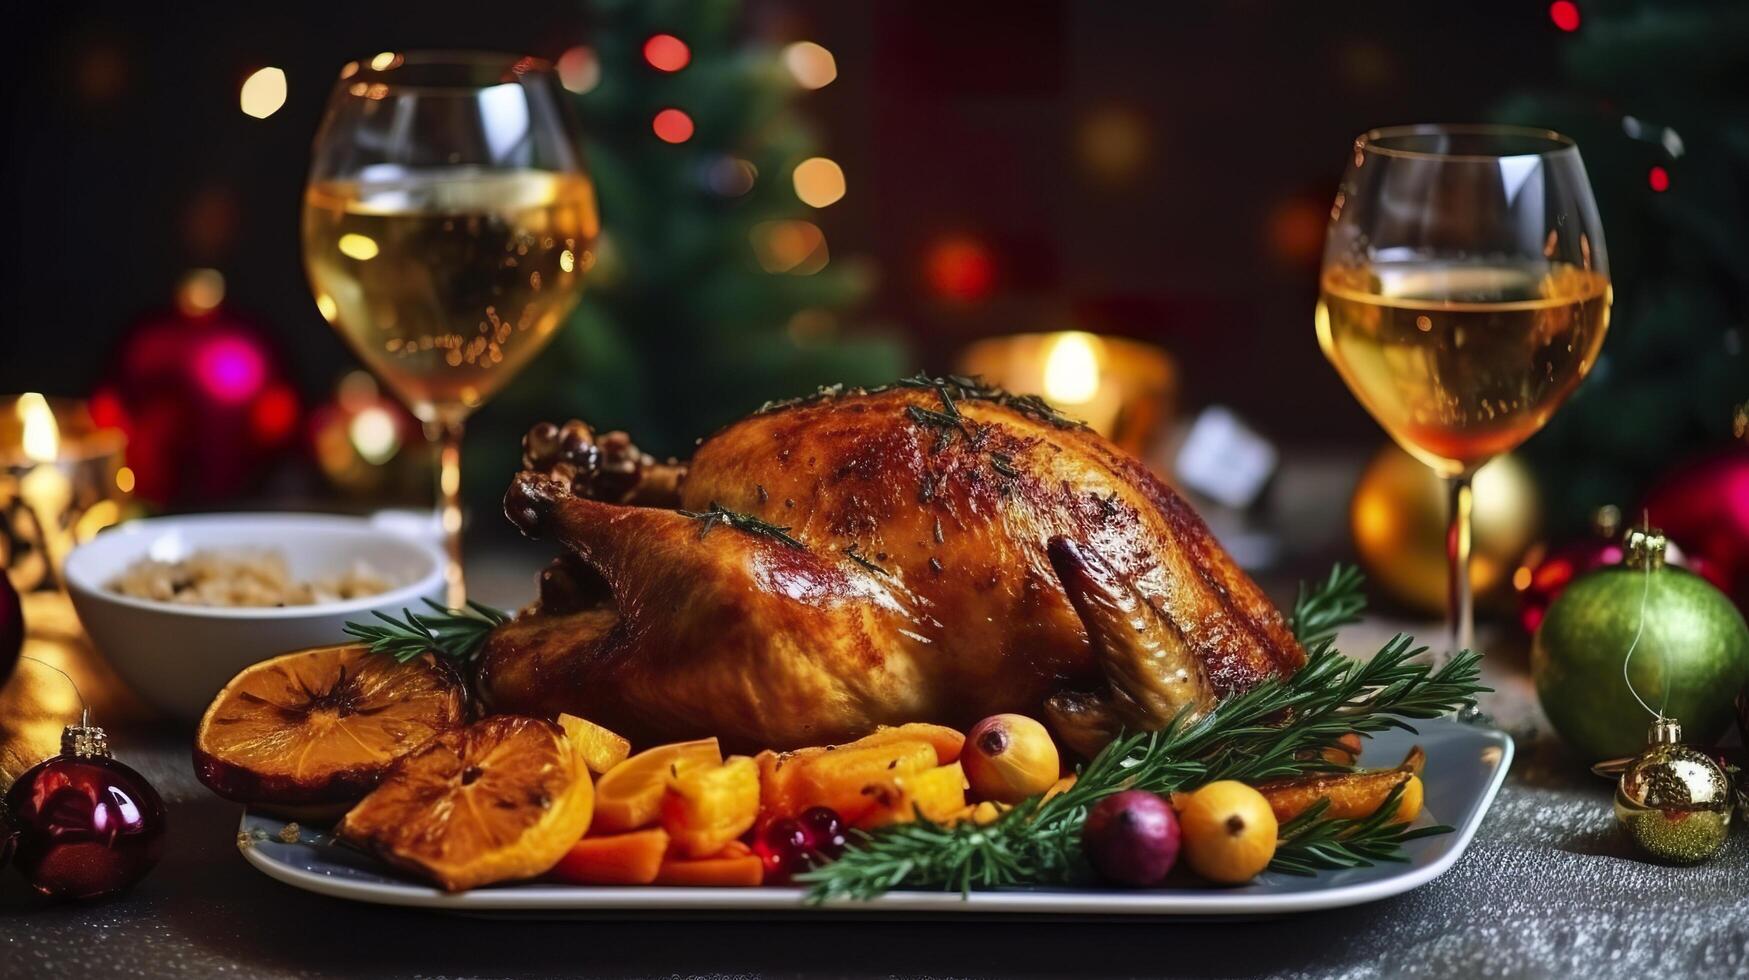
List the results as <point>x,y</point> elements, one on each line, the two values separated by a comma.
<point>931,551</point>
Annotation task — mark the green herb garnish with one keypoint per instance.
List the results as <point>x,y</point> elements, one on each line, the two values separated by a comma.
<point>453,634</point>
<point>718,514</point>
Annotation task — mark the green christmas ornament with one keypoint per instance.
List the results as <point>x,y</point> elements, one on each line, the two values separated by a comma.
<point>1689,653</point>
<point>1674,801</point>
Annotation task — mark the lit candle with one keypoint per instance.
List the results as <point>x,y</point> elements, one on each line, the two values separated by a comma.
<point>1123,388</point>
<point>63,481</point>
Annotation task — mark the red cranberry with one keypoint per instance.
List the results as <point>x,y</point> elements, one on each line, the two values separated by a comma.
<point>827,830</point>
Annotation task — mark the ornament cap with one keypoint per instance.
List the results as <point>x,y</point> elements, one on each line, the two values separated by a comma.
<point>1664,731</point>
<point>1606,521</point>
<point>85,742</point>
<point>1643,547</point>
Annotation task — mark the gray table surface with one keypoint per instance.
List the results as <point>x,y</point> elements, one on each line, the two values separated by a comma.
<point>1547,889</point>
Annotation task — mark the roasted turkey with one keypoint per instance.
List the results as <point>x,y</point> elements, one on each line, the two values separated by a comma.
<point>934,550</point>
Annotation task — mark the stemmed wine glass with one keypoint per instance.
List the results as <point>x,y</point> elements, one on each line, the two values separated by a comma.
<point>1465,294</point>
<point>447,226</point>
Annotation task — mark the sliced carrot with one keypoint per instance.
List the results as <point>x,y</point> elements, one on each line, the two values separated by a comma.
<point>629,795</point>
<point>947,741</point>
<point>713,872</point>
<point>616,859</point>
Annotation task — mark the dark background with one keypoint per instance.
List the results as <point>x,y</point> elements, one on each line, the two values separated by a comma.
<point>128,162</point>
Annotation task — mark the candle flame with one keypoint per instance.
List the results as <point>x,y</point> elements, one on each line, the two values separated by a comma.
<point>1072,369</point>
<point>42,437</point>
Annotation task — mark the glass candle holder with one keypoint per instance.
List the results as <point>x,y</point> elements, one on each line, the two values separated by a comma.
<point>1125,389</point>
<point>62,479</point>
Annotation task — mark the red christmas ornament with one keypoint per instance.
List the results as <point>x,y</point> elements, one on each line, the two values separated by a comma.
<point>84,825</point>
<point>1547,571</point>
<point>11,627</point>
<point>1704,507</point>
<point>202,397</point>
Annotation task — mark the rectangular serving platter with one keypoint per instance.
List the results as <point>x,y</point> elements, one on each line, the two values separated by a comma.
<point>1465,766</point>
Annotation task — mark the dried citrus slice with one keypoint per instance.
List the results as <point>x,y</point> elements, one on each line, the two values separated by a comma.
<point>504,798</point>
<point>311,732</point>
<point>629,795</point>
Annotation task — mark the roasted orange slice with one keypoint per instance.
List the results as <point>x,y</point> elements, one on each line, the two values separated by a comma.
<point>502,799</point>
<point>309,733</point>
<point>629,795</point>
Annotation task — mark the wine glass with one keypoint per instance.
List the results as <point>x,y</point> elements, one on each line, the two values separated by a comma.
<point>447,226</point>
<point>1465,294</point>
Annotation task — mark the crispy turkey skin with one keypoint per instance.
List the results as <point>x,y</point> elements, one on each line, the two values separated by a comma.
<point>946,552</point>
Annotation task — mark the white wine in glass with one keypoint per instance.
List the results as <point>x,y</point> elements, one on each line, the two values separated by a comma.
<point>1465,294</point>
<point>447,228</point>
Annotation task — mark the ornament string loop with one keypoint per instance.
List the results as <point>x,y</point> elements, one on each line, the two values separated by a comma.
<point>84,709</point>
<point>1645,548</point>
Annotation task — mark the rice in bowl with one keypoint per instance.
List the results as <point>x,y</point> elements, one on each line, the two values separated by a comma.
<point>242,578</point>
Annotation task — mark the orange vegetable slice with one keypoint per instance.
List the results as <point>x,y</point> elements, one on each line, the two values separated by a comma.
<point>713,872</point>
<point>937,794</point>
<point>312,732</point>
<point>616,859</point>
<point>706,807</point>
<point>629,795</point>
<point>1351,794</point>
<point>947,741</point>
<point>795,781</point>
<point>601,749</point>
<point>504,798</point>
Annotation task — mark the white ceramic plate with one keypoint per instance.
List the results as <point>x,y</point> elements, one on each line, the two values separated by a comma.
<point>1465,767</point>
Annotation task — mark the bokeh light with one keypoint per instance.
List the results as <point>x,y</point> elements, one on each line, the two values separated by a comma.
<point>200,292</point>
<point>812,66</point>
<point>263,93</point>
<point>1565,14</point>
<point>672,126</point>
<point>1113,144</point>
<point>959,267</point>
<point>374,435</point>
<point>665,52</point>
<point>797,248</point>
<point>730,176</point>
<point>579,70</point>
<point>819,182</point>
<point>1658,179</point>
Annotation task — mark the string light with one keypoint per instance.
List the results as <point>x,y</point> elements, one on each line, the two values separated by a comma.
<point>672,126</point>
<point>819,182</point>
<point>579,70</point>
<point>812,66</point>
<point>200,292</point>
<point>1565,14</point>
<point>263,93</point>
<point>665,52</point>
<point>1658,179</point>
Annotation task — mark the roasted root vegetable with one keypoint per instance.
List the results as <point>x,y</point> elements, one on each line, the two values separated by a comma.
<point>724,871</point>
<point>937,794</point>
<point>1351,794</point>
<point>615,859</point>
<point>835,777</point>
<point>947,741</point>
<point>706,807</point>
<point>629,795</point>
<point>601,749</point>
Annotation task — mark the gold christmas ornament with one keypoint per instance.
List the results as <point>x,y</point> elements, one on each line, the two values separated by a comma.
<point>1399,523</point>
<point>1673,800</point>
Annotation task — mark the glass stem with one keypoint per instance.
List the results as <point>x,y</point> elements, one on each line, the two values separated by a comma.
<point>1460,605</point>
<point>448,436</point>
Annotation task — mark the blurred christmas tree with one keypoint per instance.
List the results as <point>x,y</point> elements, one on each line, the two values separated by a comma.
<point>714,289</point>
<point>1657,96</point>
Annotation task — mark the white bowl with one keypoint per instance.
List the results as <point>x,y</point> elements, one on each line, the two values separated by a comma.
<point>178,656</point>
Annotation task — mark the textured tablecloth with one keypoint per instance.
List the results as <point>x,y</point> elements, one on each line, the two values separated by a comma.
<point>1548,889</point>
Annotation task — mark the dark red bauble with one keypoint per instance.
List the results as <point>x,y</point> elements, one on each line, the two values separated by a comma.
<point>205,403</point>
<point>11,627</point>
<point>1544,576</point>
<point>87,826</point>
<point>1704,507</point>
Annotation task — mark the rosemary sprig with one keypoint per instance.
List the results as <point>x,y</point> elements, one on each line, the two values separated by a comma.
<point>951,388</point>
<point>1310,843</point>
<point>718,514</point>
<point>853,551</point>
<point>1320,611</point>
<point>453,634</point>
<point>1241,738</point>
